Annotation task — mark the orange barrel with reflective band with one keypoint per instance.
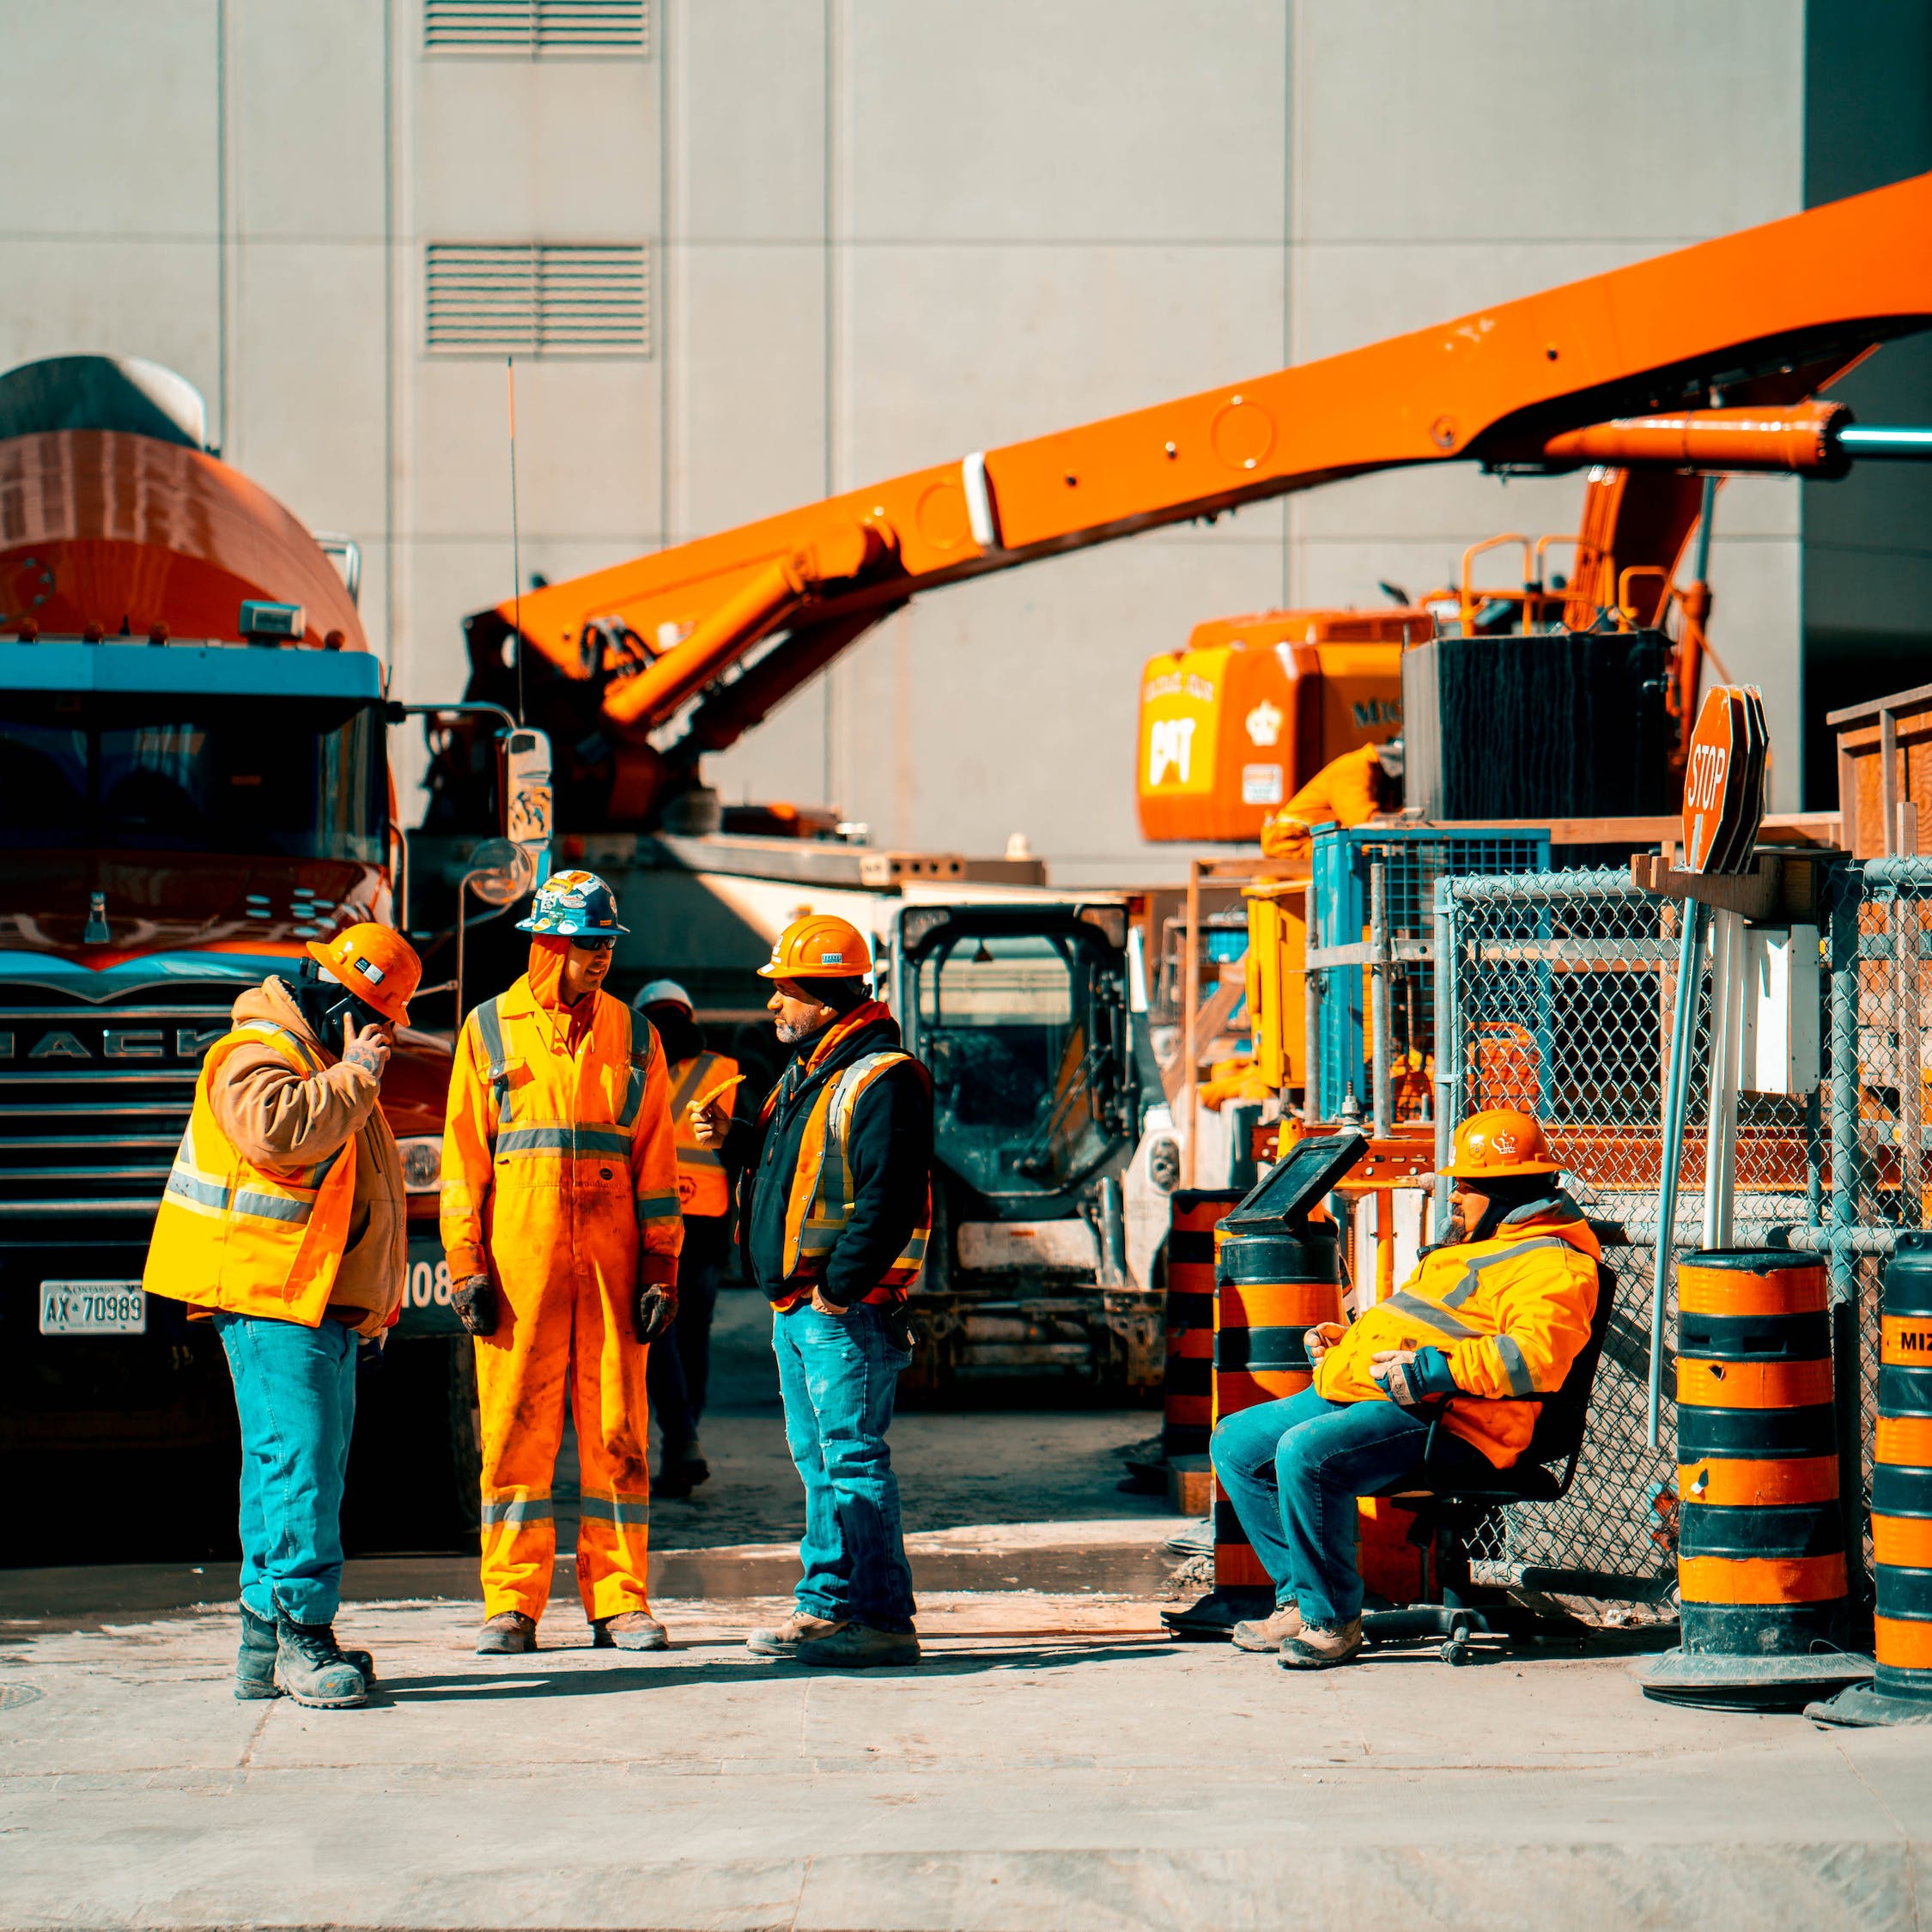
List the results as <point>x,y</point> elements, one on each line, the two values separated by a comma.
<point>1760,1553</point>
<point>1902,1476</point>
<point>1270,1289</point>
<point>1188,1376</point>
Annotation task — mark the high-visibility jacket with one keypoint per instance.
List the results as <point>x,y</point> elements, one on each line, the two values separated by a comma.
<point>243,1238</point>
<point>819,1206</point>
<point>539,1144</point>
<point>702,1188</point>
<point>1510,1314</point>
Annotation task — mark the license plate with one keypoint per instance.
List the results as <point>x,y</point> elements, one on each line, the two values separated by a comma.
<point>93,1308</point>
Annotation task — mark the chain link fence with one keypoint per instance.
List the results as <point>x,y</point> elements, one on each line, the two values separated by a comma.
<point>1561,1000</point>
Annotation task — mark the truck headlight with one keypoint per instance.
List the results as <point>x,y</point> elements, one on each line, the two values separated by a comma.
<point>423,1163</point>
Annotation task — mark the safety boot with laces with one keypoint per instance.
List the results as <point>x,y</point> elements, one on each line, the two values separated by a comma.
<point>783,1641</point>
<point>254,1661</point>
<point>630,1630</point>
<point>509,1633</point>
<point>310,1667</point>
<point>1272,1631</point>
<point>1316,1648</point>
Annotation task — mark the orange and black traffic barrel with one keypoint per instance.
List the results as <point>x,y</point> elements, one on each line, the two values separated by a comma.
<point>1900,1690</point>
<point>1188,1376</point>
<point>1761,1530</point>
<point>1271,1288</point>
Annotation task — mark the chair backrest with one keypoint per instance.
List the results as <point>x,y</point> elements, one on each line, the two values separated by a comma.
<point>1558,1435</point>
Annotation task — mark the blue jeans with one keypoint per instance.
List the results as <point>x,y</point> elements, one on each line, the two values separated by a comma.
<point>1293,1470</point>
<point>295,1393</point>
<point>838,1376</point>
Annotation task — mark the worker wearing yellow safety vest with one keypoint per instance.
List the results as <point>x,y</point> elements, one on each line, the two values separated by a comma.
<point>559,1220</point>
<point>1487,1324</point>
<point>282,1221</point>
<point>680,1369</point>
<point>834,1205</point>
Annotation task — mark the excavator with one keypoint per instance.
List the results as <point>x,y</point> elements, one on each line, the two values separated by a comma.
<point>1655,377</point>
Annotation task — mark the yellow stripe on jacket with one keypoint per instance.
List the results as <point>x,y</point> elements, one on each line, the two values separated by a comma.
<point>1510,1314</point>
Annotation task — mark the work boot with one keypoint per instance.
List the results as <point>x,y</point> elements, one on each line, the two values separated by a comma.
<point>1272,1631</point>
<point>509,1633</point>
<point>797,1629</point>
<point>681,1471</point>
<point>630,1630</point>
<point>310,1667</point>
<point>1316,1648</point>
<point>859,1647</point>
<point>254,1662</point>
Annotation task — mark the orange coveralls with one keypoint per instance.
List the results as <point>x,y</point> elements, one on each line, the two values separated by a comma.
<point>560,1181</point>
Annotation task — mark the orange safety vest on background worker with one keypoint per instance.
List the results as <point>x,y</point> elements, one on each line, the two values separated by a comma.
<point>251,1239</point>
<point>1510,1314</point>
<point>560,1181</point>
<point>702,1186</point>
<point>818,1209</point>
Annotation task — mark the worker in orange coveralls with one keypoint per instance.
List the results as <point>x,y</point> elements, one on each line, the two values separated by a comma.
<point>1363,784</point>
<point>560,1219</point>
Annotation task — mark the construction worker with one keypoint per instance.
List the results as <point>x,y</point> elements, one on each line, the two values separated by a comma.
<point>1486,1323</point>
<point>835,1203</point>
<point>1360,785</point>
<point>680,1365</point>
<point>559,1220</point>
<point>283,1219</point>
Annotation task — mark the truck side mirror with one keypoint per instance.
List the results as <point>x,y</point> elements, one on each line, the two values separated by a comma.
<point>527,797</point>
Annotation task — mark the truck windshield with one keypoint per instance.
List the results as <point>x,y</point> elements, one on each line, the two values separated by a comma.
<point>1005,1021</point>
<point>82,771</point>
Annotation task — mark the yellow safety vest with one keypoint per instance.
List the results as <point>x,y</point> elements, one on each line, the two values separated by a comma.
<point>819,1209</point>
<point>249,1240</point>
<point>701,1187</point>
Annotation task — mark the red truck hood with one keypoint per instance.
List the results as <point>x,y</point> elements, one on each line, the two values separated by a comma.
<point>172,903</point>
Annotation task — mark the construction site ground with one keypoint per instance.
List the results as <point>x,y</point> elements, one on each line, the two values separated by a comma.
<point>1054,1761</point>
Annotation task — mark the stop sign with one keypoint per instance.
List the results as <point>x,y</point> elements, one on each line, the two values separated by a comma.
<point>1724,780</point>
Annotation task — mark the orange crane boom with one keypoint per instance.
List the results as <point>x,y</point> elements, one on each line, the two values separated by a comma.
<point>1763,318</point>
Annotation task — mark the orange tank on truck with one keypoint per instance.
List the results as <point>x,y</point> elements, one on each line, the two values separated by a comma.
<point>1234,726</point>
<point>194,785</point>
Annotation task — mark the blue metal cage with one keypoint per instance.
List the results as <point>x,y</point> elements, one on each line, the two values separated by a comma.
<point>1412,859</point>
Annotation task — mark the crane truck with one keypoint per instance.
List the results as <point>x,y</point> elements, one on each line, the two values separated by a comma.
<point>1706,359</point>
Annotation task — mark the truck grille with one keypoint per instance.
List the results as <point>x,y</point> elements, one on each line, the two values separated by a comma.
<point>93,1100</point>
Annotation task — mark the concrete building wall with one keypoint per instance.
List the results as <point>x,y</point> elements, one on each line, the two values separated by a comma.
<point>882,233</point>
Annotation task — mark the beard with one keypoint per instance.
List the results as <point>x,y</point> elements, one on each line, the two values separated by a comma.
<point>789,1033</point>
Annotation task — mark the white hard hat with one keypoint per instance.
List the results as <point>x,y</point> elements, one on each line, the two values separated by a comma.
<point>663,992</point>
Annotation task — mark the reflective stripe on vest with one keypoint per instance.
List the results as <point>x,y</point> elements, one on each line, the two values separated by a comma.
<point>821,1204</point>
<point>249,1239</point>
<point>701,1187</point>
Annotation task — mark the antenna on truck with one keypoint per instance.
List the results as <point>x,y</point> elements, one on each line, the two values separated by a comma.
<point>516,553</point>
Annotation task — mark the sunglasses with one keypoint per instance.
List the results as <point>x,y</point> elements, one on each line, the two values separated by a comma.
<point>592,943</point>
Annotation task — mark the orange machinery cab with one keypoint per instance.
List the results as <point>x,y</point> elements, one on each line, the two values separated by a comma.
<point>1234,726</point>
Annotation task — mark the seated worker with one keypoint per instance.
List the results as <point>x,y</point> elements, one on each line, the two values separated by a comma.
<point>1363,784</point>
<point>1488,1322</point>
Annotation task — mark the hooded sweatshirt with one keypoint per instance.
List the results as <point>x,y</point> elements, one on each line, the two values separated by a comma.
<point>277,1118</point>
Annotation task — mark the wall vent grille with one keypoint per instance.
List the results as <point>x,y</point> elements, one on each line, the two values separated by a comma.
<point>529,27</point>
<point>538,299</point>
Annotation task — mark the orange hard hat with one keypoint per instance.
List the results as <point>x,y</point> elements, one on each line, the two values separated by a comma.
<point>819,946</point>
<point>376,963</point>
<point>1498,1142</point>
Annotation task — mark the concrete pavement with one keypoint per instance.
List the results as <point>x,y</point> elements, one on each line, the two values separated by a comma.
<point>1054,1762</point>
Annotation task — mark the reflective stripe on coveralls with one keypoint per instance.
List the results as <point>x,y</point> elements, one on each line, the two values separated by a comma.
<point>701,1187</point>
<point>822,1199</point>
<point>560,1179</point>
<point>264,1241</point>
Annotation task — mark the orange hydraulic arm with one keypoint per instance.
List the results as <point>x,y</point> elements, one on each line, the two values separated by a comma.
<point>1763,316</point>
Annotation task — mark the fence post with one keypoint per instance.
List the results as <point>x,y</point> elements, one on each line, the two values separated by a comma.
<point>1449,1042</point>
<point>1846,1185</point>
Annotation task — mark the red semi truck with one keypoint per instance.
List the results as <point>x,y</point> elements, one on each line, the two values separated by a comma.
<point>194,780</point>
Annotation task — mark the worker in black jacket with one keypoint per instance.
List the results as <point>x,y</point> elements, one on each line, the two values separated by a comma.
<point>835,1205</point>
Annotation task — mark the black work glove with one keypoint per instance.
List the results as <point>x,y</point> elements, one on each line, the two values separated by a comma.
<point>653,1311</point>
<point>474,1299</point>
